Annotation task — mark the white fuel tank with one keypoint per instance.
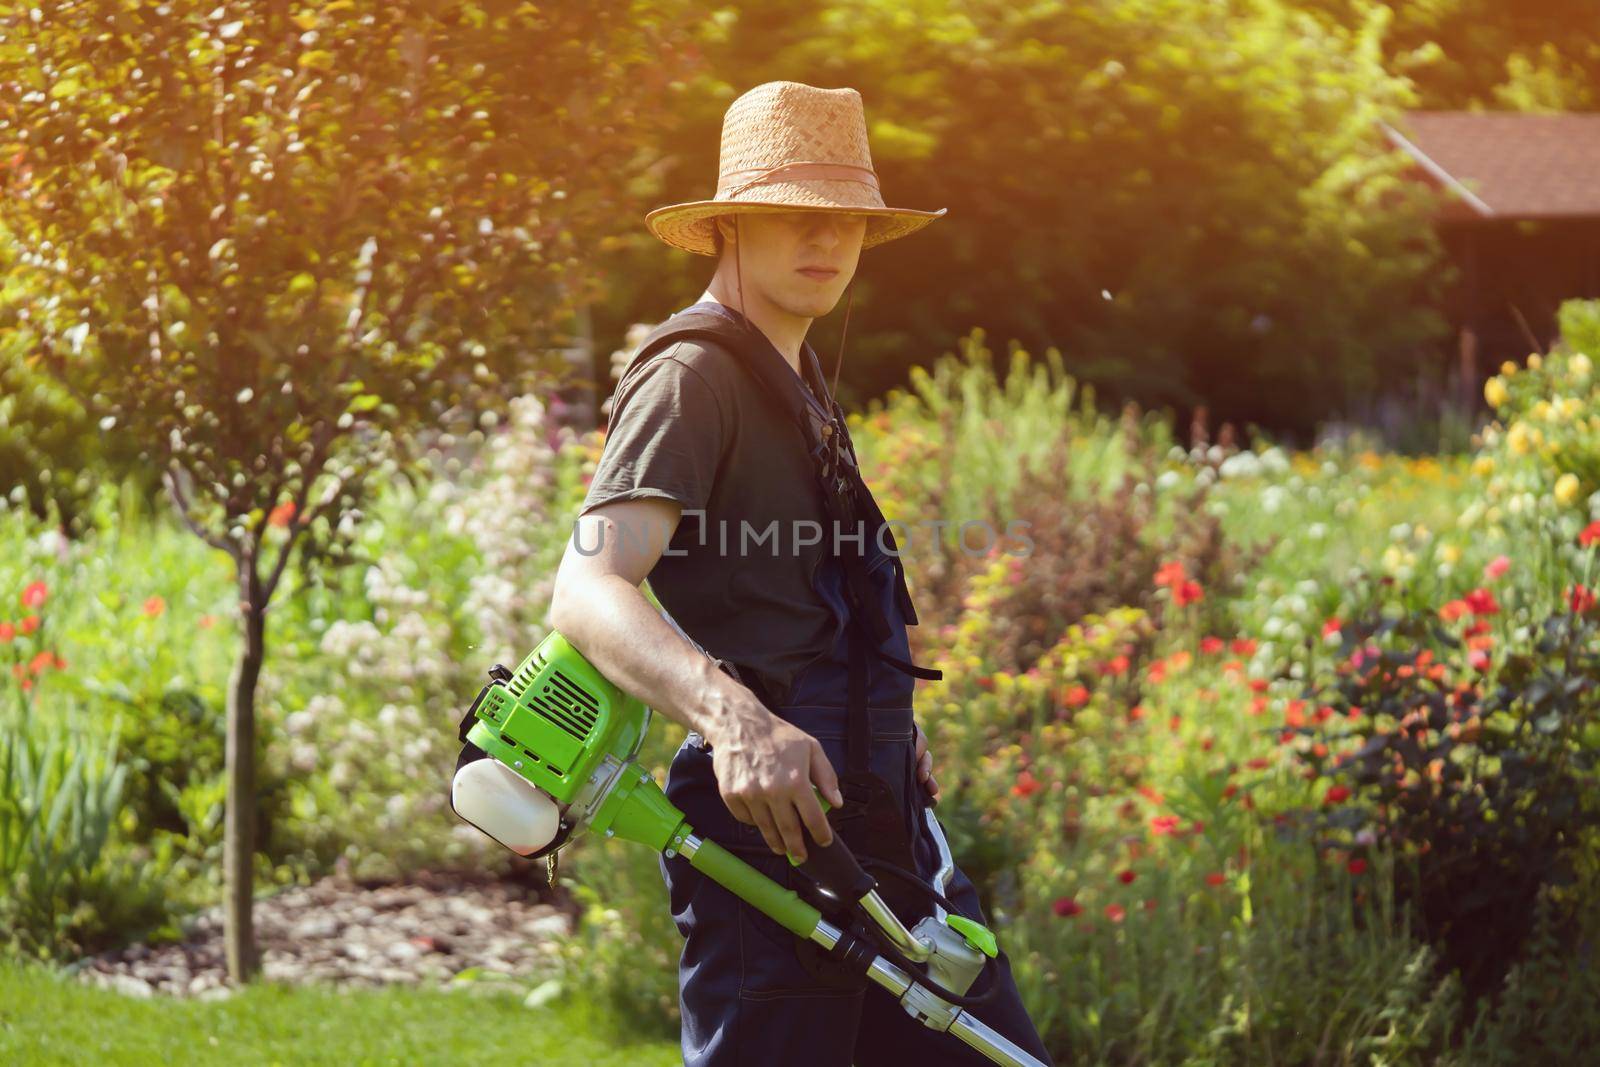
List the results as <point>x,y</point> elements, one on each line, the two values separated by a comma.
<point>506,806</point>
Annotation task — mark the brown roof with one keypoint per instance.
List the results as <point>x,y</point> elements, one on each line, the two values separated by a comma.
<point>1508,164</point>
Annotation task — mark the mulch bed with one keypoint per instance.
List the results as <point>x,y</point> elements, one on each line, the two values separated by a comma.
<point>424,930</point>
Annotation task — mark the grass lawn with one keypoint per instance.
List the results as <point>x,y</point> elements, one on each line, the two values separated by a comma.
<point>45,1019</point>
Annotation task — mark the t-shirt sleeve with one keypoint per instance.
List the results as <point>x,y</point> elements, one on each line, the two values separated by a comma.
<point>665,438</point>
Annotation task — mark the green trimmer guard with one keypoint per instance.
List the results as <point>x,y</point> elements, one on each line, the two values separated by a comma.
<point>550,755</point>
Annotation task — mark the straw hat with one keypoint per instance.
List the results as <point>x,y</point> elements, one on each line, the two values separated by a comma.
<point>788,146</point>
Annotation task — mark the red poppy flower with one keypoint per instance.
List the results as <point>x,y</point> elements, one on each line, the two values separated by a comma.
<point>1150,793</point>
<point>1257,705</point>
<point>1126,876</point>
<point>1590,534</point>
<point>280,515</point>
<point>1580,599</point>
<point>28,624</point>
<point>1136,712</point>
<point>1157,672</point>
<point>1076,696</point>
<point>7,632</point>
<point>1066,906</point>
<point>1356,865</point>
<point>1208,645</point>
<point>1258,685</point>
<point>1229,789</point>
<point>1337,795</point>
<point>1451,612</point>
<point>1027,785</point>
<point>1216,878</point>
<point>1257,763</point>
<point>1479,659</point>
<point>34,594</point>
<point>154,606</point>
<point>1170,573</point>
<point>1242,646</point>
<point>1332,626</point>
<point>1292,715</point>
<point>1115,912</point>
<point>1482,602</point>
<point>1187,593</point>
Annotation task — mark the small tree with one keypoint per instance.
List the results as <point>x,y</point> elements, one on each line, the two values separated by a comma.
<point>269,243</point>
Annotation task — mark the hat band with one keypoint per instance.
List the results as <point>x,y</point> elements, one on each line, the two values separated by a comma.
<point>788,172</point>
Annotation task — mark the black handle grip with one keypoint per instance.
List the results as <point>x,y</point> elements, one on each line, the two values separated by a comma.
<point>834,866</point>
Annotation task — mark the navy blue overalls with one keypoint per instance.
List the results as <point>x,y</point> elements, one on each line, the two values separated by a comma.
<point>747,998</point>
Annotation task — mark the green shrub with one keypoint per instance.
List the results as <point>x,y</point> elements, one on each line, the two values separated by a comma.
<point>59,798</point>
<point>1489,787</point>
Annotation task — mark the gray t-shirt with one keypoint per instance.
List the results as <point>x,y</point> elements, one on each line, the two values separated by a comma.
<point>691,425</point>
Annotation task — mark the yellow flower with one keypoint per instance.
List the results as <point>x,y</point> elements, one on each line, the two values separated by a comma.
<point>1483,466</point>
<point>1579,367</point>
<point>1541,411</point>
<point>1517,439</point>
<point>1450,553</point>
<point>1495,392</point>
<point>1566,488</point>
<point>1534,361</point>
<point>1508,368</point>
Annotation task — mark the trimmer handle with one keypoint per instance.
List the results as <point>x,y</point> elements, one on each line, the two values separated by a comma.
<point>834,866</point>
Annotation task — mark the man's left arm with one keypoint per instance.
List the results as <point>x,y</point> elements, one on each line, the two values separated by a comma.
<point>925,764</point>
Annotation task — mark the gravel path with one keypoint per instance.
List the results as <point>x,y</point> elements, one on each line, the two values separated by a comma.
<point>422,931</point>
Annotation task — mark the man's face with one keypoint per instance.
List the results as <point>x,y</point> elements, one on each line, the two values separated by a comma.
<point>776,248</point>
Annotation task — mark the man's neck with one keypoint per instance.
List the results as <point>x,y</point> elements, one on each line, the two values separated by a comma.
<point>786,332</point>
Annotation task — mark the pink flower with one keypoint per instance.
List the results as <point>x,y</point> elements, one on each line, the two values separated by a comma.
<point>34,594</point>
<point>1066,907</point>
<point>1161,825</point>
<point>1496,567</point>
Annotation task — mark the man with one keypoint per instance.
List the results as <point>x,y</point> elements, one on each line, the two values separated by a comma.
<point>693,436</point>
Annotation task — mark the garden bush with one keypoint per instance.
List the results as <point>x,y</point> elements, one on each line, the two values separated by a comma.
<point>67,892</point>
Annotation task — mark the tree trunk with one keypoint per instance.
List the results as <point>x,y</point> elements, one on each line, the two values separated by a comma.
<point>238,847</point>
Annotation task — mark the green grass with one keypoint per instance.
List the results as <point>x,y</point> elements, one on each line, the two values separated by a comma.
<point>48,1019</point>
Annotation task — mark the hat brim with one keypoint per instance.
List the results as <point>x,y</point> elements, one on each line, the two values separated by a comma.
<point>690,225</point>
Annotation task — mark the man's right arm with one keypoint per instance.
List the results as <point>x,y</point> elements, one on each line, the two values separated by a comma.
<point>764,766</point>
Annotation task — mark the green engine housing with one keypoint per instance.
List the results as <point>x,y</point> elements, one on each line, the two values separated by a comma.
<point>559,724</point>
